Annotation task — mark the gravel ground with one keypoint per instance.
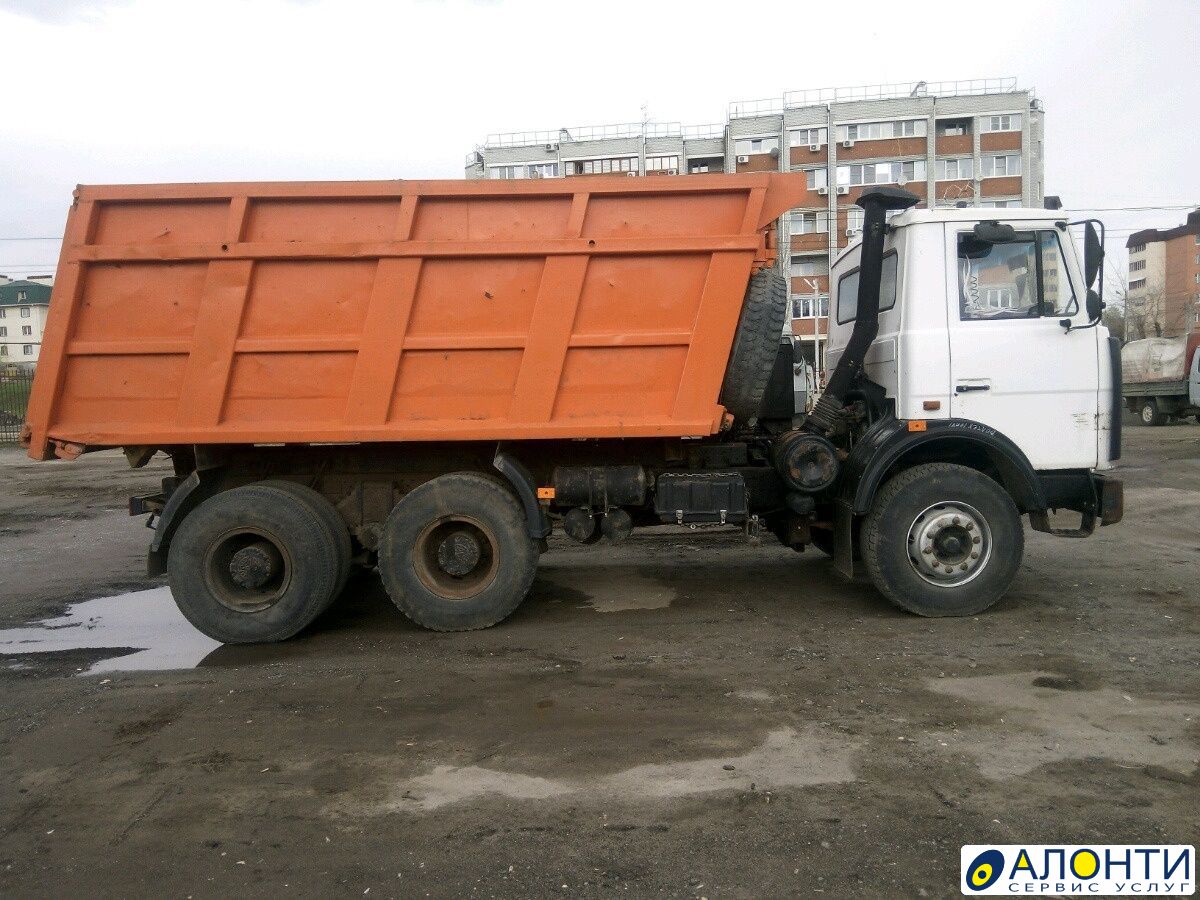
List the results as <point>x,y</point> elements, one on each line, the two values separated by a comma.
<point>684,715</point>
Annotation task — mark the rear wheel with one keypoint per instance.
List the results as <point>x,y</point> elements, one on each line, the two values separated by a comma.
<point>455,553</point>
<point>253,564</point>
<point>336,525</point>
<point>1149,413</point>
<point>942,540</point>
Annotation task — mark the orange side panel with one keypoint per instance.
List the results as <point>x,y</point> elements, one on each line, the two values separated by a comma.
<point>392,311</point>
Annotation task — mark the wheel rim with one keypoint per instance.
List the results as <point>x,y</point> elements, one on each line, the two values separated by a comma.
<point>1147,413</point>
<point>455,557</point>
<point>949,543</point>
<point>248,570</point>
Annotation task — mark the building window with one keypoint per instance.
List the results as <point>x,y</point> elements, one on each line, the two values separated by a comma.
<point>1006,122</point>
<point>809,307</point>
<point>24,312</point>
<point>3,331</point>
<point>817,178</point>
<point>3,349</point>
<point>603,166</point>
<point>874,131</point>
<point>1137,265</point>
<point>706,164</point>
<point>1137,248</point>
<point>1000,166</point>
<point>955,169</point>
<point>808,266</point>
<point>806,137</point>
<point>881,173</point>
<point>26,329</point>
<point>662,164</point>
<point>954,127</point>
<point>809,222</point>
<point>854,219</point>
<point>20,296</point>
<point>754,146</point>
<point>27,349</point>
<point>530,170</point>
<point>1139,283</point>
<point>3,313</point>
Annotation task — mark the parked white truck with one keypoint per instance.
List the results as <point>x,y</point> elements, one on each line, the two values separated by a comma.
<point>1161,378</point>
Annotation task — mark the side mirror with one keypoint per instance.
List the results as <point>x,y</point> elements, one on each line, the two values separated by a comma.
<point>1094,306</point>
<point>994,233</point>
<point>1093,256</point>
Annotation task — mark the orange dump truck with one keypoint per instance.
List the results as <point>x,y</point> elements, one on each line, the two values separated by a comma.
<point>429,376</point>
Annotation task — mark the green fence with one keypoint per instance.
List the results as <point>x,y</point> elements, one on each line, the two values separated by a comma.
<point>15,385</point>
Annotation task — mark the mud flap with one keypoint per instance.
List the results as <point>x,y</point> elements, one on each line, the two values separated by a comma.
<point>843,538</point>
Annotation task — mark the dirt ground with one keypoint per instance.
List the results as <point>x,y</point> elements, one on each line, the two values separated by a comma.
<point>683,715</point>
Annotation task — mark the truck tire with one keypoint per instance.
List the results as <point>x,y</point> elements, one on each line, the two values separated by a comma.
<point>755,344</point>
<point>253,564</point>
<point>1150,414</point>
<point>332,519</point>
<point>942,540</point>
<point>455,553</point>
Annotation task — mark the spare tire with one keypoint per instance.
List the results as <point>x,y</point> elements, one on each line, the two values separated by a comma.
<point>755,344</point>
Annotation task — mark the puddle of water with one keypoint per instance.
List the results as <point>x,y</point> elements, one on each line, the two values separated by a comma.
<point>148,622</point>
<point>619,589</point>
<point>786,758</point>
<point>1046,718</point>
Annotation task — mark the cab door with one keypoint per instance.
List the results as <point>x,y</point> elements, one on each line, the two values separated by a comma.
<point>1013,366</point>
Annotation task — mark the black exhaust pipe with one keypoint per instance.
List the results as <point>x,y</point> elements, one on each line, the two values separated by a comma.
<point>824,418</point>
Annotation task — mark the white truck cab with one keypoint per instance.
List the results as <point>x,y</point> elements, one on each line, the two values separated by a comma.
<point>972,383</point>
<point>976,332</point>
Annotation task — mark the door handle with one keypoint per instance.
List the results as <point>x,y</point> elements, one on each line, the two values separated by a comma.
<point>966,388</point>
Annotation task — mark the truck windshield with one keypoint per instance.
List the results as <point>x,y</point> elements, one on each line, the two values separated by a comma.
<point>1021,279</point>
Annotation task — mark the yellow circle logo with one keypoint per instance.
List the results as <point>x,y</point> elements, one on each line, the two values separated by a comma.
<point>1084,863</point>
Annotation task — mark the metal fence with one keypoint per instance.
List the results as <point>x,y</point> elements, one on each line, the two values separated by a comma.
<point>15,384</point>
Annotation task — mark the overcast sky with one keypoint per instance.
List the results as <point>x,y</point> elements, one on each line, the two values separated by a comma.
<point>98,91</point>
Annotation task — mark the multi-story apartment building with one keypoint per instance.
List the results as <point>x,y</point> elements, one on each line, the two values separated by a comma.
<point>23,309</point>
<point>1163,298</point>
<point>977,143</point>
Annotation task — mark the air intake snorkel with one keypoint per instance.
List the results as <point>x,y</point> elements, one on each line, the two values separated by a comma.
<point>805,457</point>
<point>876,204</point>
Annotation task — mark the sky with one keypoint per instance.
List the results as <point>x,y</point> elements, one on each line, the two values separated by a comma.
<point>123,91</point>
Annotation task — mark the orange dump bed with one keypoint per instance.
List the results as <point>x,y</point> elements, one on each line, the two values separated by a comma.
<point>397,311</point>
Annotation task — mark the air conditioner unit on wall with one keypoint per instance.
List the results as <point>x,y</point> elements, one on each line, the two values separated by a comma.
<point>843,190</point>
<point>847,144</point>
<point>851,232</point>
<point>814,148</point>
<point>822,191</point>
<point>672,171</point>
<point>550,148</point>
<point>743,159</point>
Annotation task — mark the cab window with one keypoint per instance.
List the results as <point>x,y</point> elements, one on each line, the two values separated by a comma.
<point>1022,279</point>
<point>847,292</point>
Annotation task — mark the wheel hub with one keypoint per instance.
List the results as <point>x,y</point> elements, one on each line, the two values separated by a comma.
<point>458,554</point>
<point>255,565</point>
<point>949,543</point>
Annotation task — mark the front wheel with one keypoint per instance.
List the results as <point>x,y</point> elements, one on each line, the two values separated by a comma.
<point>1149,413</point>
<point>942,540</point>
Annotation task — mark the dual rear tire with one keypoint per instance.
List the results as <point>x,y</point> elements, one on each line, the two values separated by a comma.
<point>258,563</point>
